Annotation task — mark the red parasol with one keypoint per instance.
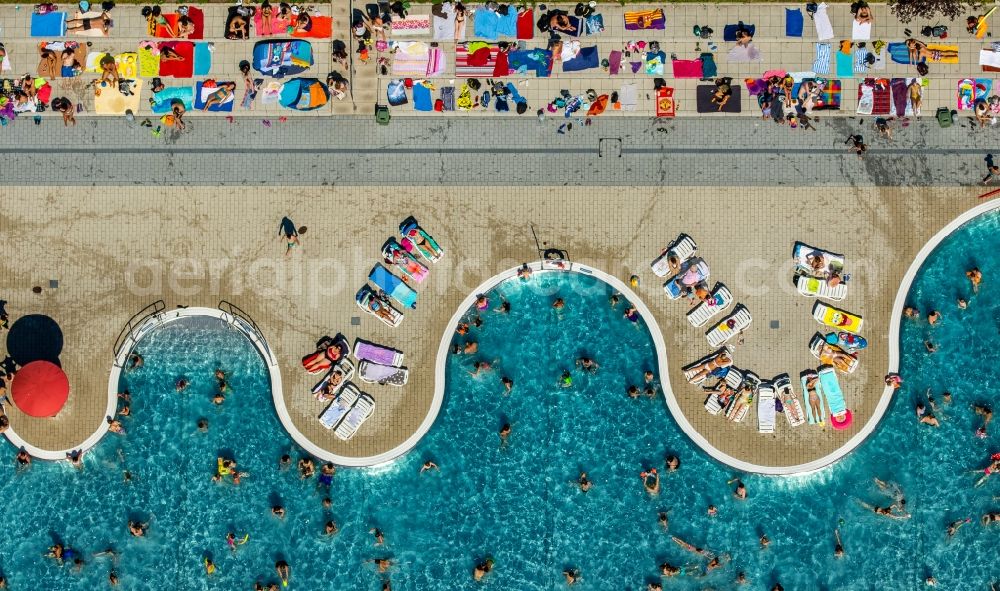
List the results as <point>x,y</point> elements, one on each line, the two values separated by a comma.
<point>40,389</point>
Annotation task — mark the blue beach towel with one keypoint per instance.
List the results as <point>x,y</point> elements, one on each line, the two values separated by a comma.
<point>422,98</point>
<point>393,286</point>
<point>822,63</point>
<point>514,94</point>
<point>538,61</point>
<point>708,67</point>
<point>899,53</point>
<point>845,65</point>
<point>52,24</point>
<point>585,60</point>
<point>162,100</point>
<point>485,24</point>
<point>202,59</point>
<point>729,32</point>
<point>507,25</point>
<point>832,392</point>
<point>793,22</point>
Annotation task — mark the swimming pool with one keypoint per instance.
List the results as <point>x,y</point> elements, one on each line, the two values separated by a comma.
<point>517,504</point>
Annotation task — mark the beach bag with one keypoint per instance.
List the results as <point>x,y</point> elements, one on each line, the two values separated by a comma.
<point>944,117</point>
<point>811,9</point>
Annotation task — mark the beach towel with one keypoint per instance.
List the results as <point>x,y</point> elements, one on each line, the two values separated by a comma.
<point>500,68</point>
<point>614,62</point>
<point>880,56</point>
<point>653,63</point>
<point>704,94</point>
<point>525,24</point>
<point>821,65</point>
<point>197,19</point>
<point>666,106</point>
<point>829,94</point>
<point>824,30</point>
<point>322,28</point>
<point>845,65</point>
<point>475,59</point>
<point>202,58</point>
<point>882,95</point>
<point>108,100</point>
<point>443,22</point>
<point>729,31</point>
<point>182,68</point>
<point>485,24</point>
<point>972,90</point>
<point>422,100</point>
<point>523,61</point>
<point>149,60</point>
<point>436,62</point>
<point>411,26</point>
<point>900,96</point>
<point>395,93</point>
<point>793,22</point>
<point>281,58</point>
<point>744,54</point>
<point>708,69</point>
<point>866,99</point>
<point>304,94</point>
<point>860,63</point>
<point>448,98</point>
<point>411,58</point>
<point>989,60</point>
<point>202,93</point>
<point>52,24</point>
<point>163,100</point>
<point>383,374</point>
<point>127,64</point>
<point>899,53</point>
<point>365,351</point>
<point>687,68</point>
<point>628,97</point>
<point>507,23</point>
<point>279,26</point>
<point>585,60</point>
<point>638,20</point>
<point>5,63</point>
<point>861,31</point>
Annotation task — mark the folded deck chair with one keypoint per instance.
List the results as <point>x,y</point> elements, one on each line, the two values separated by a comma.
<point>340,406</point>
<point>683,248</point>
<point>393,286</point>
<point>819,288</point>
<point>825,352</point>
<point>720,299</point>
<point>790,404</point>
<point>840,416</point>
<point>418,240</point>
<point>365,351</point>
<point>837,318</point>
<point>345,367</point>
<point>695,272</point>
<point>363,409</point>
<point>377,306</point>
<point>802,253</point>
<point>411,268</point>
<point>691,370</point>
<point>765,408</point>
<point>730,326</point>
<point>815,416</point>
<point>376,373</point>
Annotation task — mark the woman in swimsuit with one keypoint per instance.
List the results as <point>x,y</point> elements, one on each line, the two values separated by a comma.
<point>721,361</point>
<point>109,70</point>
<point>814,402</point>
<point>303,23</point>
<point>75,25</point>
<point>459,21</point>
<point>185,28</point>
<point>220,96</point>
<point>266,12</point>
<point>919,52</point>
<point>239,28</point>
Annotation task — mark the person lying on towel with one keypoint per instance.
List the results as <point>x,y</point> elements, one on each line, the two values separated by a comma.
<point>723,91</point>
<point>920,53</point>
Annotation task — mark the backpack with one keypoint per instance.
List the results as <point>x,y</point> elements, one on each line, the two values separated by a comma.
<point>811,8</point>
<point>944,118</point>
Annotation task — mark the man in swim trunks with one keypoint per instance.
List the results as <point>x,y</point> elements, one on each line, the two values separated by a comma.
<point>76,25</point>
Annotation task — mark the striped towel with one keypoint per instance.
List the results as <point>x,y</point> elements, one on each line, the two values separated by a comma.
<point>860,65</point>
<point>822,63</point>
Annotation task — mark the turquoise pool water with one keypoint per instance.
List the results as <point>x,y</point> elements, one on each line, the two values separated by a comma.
<point>517,503</point>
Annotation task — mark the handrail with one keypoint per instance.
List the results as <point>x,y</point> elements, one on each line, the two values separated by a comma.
<point>236,312</point>
<point>136,320</point>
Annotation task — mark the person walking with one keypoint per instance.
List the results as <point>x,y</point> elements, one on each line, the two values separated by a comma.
<point>992,170</point>
<point>857,145</point>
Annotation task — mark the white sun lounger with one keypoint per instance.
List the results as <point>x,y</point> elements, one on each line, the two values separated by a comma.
<point>816,347</point>
<point>818,288</point>
<point>720,299</point>
<point>734,379</point>
<point>340,406</point>
<point>696,272</point>
<point>791,405</point>
<point>765,408</point>
<point>713,405</point>
<point>722,332</point>
<point>692,369</point>
<point>375,373</point>
<point>683,247</point>
<point>345,367</point>
<point>362,411</point>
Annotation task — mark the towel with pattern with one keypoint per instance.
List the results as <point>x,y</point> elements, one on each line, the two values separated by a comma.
<point>860,61</point>
<point>638,20</point>
<point>822,63</point>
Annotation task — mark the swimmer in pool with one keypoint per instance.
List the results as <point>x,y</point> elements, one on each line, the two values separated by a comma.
<point>379,536</point>
<point>651,482</point>
<point>137,528</point>
<point>330,528</point>
<point>975,277</point>
<point>838,549</point>
<point>558,304</point>
<point>504,434</point>
<point>508,384</point>
<point>565,380</point>
<point>673,463</point>
<point>181,384</point>
<point>663,519</point>
<point>583,482</point>
<point>587,364</point>
<point>429,465</point>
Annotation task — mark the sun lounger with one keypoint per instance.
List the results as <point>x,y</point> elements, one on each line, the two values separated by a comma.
<point>376,373</point>
<point>694,368</point>
<point>361,412</point>
<point>765,408</point>
<point>393,286</point>
<point>712,404</point>
<point>825,352</point>
<point>818,288</point>
<point>840,415</point>
<point>695,272</point>
<point>345,367</point>
<point>836,318</point>
<point>729,326</point>
<point>411,268</point>
<point>734,378</point>
<point>815,416</point>
<point>365,351</point>
<point>340,406</point>
<point>683,247</point>
<point>720,299</point>
<point>802,253</point>
<point>790,404</point>
<point>378,307</point>
<point>415,239</point>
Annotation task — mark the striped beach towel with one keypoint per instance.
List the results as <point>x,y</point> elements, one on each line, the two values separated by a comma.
<point>822,63</point>
<point>465,69</point>
<point>860,65</point>
<point>645,19</point>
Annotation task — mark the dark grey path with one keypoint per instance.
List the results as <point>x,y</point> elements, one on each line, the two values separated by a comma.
<point>498,151</point>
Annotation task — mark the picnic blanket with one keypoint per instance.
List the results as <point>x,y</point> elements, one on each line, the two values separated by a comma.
<point>637,20</point>
<point>586,59</point>
<point>410,58</point>
<point>412,26</point>
<point>197,19</point>
<point>522,61</point>
<point>395,93</point>
<point>149,59</point>
<point>687,68</point>
<point>108,99</point>
<point>52,24</point>
<point>874,97</point>
<point>163,100</point>
<point>821,65</point>
<point>322,28</point>
<point>793,22</point>
<point>824,30</point>
<point>282,58</point>
<point>475,59</point>
<point>729,31</point>
<point>182,68</point>
<point>202,93</point>
<point>971,90</point>
<point>704,94</point>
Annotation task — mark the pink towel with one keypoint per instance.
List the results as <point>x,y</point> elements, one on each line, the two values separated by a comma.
<point>615,62</point>
<point>687,68</point>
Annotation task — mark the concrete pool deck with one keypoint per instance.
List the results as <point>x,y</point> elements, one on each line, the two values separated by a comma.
<point>114,252</point>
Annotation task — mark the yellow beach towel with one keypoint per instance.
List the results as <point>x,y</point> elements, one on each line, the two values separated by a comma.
<point>149,62</point>
<point>949,53</point>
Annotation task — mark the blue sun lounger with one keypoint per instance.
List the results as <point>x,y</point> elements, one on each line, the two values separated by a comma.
<point>393,286</point>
